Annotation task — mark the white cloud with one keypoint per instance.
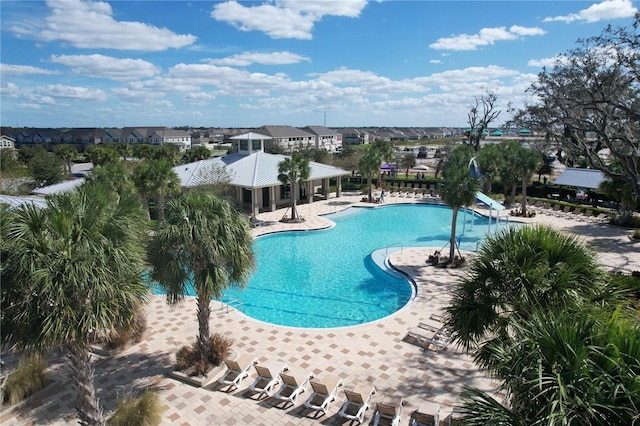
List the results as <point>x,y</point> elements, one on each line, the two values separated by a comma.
<point>8,69</point>
<point>608,9</point>
<point>248,58</point>
<point>526,31</point>
<point>70,92</point>
<point>547,62</point>
<point>484,37</point>
<point>284,18</point>
<point>435,61</point>
<point>101,66</point>
<point>199,99</point>
<point>9,89</point>
<point>90,24</point>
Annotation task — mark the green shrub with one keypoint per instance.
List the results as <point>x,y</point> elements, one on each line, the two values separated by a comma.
<point>636,234</point>
<point>191,361</point>
<point>28,378</point>
<point>143,410</point>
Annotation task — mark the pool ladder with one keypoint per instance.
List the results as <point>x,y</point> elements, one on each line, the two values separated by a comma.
<point>232,303</point>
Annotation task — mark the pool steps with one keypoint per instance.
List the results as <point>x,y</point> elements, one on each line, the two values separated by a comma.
<point>381,258</point>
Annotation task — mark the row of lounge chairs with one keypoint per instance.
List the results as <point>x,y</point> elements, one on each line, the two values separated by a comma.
<point>577,214</point>
<point>412,193</point>
<point>324,391</point>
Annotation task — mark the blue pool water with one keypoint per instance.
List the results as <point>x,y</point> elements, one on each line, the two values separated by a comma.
<point>326,278</point>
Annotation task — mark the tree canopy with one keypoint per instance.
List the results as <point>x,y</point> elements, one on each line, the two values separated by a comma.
<point>589,103</point>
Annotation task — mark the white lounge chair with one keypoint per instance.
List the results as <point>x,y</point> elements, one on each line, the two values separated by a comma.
<point>237,370</point>
<point>292,386</point>
<point>357,403</point>
<point>268,377</point>
<point>324,393</point>
<point>601,218</point>
<point>431,332</point>
<point>428,414</point>
<point>389,410</point>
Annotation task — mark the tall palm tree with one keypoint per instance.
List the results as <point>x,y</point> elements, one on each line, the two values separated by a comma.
<point>371,161</point>
<point>369,165</point>
<point>528,161</point>
<point>458,189</point>
<point>67,153</point>
<point>294,171</point>
<point>205,242</point>
<point>73,272</point>
<point>156,179</point>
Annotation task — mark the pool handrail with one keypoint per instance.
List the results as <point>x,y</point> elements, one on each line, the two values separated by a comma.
<point>393,245</point>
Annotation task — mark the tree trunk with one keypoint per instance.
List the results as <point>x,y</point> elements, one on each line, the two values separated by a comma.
<point>88,408</point>
<point>145,203</point>
<point>452,239</point>
<point>294,195</point>
<point>204,334</point>
<point>523,202</point>
<point>160,207</point>
<point>369,184</point>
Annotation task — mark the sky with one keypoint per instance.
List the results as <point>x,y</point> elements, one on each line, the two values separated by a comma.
<point>342,63</point>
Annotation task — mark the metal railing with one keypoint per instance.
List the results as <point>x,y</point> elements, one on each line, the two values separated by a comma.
<point>236,303</point>
<point>394,245</point>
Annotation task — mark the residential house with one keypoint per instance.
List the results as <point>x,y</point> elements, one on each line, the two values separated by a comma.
<point>289,138</point>
<point>351,136</point>
<point>8,144</point>
<point>178,138</point>
<point>325,138</point>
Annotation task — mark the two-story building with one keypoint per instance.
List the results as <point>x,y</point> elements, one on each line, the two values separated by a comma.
<point>290,138</point>
<point>325,138</point>
<point>8,144</point>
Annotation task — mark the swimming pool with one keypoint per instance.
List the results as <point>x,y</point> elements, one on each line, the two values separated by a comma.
<point>326,278</point>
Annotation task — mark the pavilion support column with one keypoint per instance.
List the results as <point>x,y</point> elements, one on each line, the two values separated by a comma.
<point>272,198</point>
<point>325,188</point>
<point>309,191</point>
<point>239,198</point>
<point>255,202</point>
<point>339,187</point>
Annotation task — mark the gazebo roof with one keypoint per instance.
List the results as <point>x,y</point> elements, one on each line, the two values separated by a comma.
<point>258,170</point>
<point>251,136</point>
<point>581,178</point>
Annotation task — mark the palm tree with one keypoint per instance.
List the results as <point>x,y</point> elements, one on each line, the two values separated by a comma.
<point>294,171</point>
<point>458,189</point>
<point>371,161</point>
<point>528,161</point>
<point>73,273</point>
<point>197,153</point>
<point>369,164</point>
<point>67,153</point>
<point>490,159</point>
<point>156,179</point>
<point>203,242</point>
<point>564,367</point>
<point>514,268</point>
<point>115,176</point>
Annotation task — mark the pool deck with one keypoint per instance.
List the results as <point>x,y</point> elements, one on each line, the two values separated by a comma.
<point>376,353</point>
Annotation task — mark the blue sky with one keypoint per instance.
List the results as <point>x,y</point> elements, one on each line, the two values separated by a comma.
<point>75,63</point>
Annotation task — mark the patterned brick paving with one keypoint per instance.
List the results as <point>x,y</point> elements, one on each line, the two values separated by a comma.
<point>377,353</point>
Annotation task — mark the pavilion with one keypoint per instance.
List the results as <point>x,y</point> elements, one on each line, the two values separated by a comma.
<point>254,176</point>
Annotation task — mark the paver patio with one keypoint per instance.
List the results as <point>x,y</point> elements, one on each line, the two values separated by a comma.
<point>376,353</point>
